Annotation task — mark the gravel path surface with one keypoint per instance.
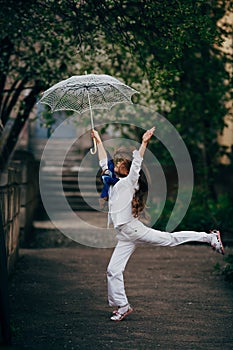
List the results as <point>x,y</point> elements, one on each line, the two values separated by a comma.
<point>59,300</point>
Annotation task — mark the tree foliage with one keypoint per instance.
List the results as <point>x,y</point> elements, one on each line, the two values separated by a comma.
<point>37,47</point>
<point>169,50</point>
<point>177,47</point>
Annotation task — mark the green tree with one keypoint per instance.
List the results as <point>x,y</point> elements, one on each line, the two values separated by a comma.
<point>166,49</point>
<point>37,48</point>
<point>201,95</point>
<point>176,45</point>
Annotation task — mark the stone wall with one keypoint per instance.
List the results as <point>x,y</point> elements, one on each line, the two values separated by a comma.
<point>19,197</point>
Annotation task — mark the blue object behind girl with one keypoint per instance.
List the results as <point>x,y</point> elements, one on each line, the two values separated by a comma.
<point>108,178</point>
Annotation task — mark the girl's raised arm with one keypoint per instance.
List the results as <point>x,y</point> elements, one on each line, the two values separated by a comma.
<point>145,139</point>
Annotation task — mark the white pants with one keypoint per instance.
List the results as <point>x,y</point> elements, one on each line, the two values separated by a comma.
<point>129,236</point>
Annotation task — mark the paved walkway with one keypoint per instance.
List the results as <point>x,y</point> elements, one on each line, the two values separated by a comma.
<point>58,300</point>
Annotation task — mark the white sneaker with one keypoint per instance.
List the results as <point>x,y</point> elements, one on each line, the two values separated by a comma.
<point>216,242</point>
<point>121,313</point>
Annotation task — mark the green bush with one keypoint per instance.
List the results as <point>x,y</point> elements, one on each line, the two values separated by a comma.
<point>210,214</point>
<point>227,270</point>
<point>203,214</point>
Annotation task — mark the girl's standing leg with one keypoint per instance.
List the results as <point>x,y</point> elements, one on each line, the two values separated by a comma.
<point>116,267</point>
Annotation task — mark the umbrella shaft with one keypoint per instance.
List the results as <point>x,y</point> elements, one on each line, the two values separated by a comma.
<point>92,122</point>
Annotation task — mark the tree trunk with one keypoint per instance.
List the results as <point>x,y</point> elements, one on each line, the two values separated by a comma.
<point>8,145</point>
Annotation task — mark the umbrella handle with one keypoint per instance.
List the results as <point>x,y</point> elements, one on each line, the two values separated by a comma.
<point>94,149</point>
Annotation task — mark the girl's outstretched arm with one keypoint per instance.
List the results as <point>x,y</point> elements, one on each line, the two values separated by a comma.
<point>145,139</point>
<point>101,150</point>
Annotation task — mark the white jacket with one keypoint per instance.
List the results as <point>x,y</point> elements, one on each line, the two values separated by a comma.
<point>121,194</point>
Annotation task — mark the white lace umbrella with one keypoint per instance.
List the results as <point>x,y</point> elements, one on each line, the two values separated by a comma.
<point>86,92</point>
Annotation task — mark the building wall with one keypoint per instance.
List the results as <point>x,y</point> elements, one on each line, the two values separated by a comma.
<point>226,139</point>
<point>19,198</point>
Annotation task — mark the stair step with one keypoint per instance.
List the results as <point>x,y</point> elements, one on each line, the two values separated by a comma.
<point>83,184</point>
<point>80,207</point>
<point>71,186</point>
<point>66,171</point>
<point>73,175</point>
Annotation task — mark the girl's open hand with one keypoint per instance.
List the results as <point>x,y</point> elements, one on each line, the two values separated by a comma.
<point>148,134</point>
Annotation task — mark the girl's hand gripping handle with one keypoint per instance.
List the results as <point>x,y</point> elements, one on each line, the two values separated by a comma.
<point>94,149</point>
<point>98,144</point>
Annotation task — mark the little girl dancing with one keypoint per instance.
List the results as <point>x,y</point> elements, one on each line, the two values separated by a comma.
<point>125,205</point>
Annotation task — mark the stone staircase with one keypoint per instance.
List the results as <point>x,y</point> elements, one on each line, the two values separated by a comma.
<point>80,183</point>
<point>79,188</point>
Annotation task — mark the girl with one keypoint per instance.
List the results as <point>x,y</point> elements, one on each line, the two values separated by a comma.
<point>125,205</point>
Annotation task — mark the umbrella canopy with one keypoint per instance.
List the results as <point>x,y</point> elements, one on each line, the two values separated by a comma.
<point>81,93</point>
